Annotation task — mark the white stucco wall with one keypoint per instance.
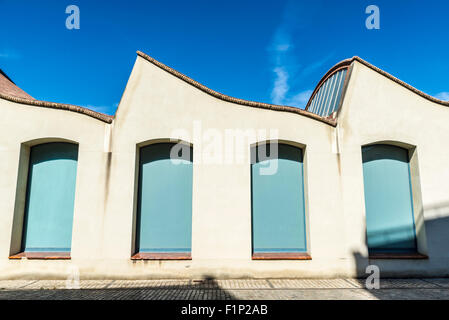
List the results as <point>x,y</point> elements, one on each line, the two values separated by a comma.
<point>376,109</point>
<point>24,126</point>
<point>156,106</point>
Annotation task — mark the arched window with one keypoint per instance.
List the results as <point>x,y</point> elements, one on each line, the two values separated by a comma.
<point>50,198</point>
<point>278,210</point>
<point>164,212</point>
<point>388,199</point>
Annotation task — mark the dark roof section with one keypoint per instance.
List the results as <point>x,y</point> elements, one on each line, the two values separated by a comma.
<point>7,86</point>
<point>227,98</point>
<point>9,91</point>
<point>5,75</point>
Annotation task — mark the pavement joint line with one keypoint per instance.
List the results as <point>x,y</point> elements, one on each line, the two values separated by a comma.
<point>269,283</point>
<point>28,284</point>
<point>220,289</point>
<point>352,284</point>
<point>109,284</point>
<point>426,284</point>
<point>432,283</point>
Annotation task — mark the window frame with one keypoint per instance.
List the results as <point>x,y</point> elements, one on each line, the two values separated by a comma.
<point>135,254</point>
<point>296,255</point>
<point>19,217</point>
<point>417,204</point>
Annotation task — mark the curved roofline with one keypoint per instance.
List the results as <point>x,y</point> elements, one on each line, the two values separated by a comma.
<point>400,82</point>
<point>28,100</point>
<point>61,106</point>
<point>328,120</point>
<point>227,98</point>
<point>345,64</point>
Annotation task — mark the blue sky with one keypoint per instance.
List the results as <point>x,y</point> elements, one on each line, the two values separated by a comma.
<point>268,51</point>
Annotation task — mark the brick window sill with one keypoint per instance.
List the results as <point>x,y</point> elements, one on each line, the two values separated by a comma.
<point>413,256</point>
<point>281,256</point>
<point>41,256</point>
<point>162,256</point>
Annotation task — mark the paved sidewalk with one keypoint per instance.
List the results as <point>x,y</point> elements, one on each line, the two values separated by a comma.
<point>270,289</point>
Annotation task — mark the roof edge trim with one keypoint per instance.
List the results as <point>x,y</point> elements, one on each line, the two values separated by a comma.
<point>61,106</point>
<point>400,82</point>
<point>345,64</point>
<point>227,98</point>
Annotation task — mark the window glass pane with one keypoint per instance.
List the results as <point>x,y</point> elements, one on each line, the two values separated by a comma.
<point>50,197</point>
<point>327,99</point>
<point>278,217</point>
<point>388,199</point>
<point>165,200</point>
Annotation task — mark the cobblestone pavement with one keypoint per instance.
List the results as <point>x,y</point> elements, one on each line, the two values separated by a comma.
<point>270,289</point>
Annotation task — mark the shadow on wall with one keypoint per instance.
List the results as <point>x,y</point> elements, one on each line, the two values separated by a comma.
<point>399,238</point>
<point>436,242</point>
<point>437,230</point>
<point>436,266</point>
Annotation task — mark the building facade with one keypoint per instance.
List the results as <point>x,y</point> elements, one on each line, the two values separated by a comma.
<point>185,182</point>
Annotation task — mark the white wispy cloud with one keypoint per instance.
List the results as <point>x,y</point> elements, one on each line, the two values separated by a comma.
<point>317,64</point>
<point>300,99</point>
<point>443,96</point>
<point>280,87</point>
<point>285,64</point>
<point>9,54</point>
<point>104,109</point>
<point>279,48</point>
